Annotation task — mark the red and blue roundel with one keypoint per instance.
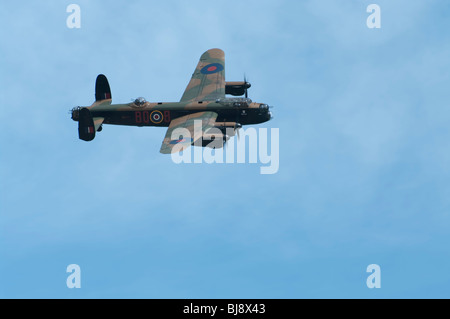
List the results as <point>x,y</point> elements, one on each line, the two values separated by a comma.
<point>156,117</point>
<point>212,68</point>
<point>182,140</point>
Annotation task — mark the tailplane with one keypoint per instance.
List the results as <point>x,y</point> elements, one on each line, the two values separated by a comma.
<point>87,124</point>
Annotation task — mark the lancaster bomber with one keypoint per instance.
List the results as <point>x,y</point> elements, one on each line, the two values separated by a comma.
<point>204,102</point>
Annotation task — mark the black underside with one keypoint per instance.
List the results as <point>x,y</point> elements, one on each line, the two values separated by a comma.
<point>144,118</point>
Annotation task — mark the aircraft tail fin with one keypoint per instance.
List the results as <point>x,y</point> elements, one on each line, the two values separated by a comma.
<point>86,127</point>
<point>102,89</point>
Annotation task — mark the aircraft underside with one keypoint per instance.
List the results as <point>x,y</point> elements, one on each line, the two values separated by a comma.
<point>163,118</point>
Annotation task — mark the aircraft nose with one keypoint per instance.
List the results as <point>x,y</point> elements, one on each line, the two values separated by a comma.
<point>265,112</point>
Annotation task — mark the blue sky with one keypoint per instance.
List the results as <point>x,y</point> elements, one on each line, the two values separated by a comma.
<point>364,152</point>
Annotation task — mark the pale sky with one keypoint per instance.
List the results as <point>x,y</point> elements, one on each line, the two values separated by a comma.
<point>364,152</point>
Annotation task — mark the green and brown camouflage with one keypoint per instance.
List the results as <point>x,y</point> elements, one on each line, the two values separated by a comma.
<point>187,130</point>
<point>204,100</point>
<point>208,81</point>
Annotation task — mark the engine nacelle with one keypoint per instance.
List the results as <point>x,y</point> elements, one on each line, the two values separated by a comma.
<point>236,88</point>
<point>214,140</point>
<point>228,128</point>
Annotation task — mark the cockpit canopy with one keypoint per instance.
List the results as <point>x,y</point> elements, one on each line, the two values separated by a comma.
<point>140,101</point>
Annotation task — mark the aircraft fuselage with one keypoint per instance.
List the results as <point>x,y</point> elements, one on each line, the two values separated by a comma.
<point>161,114</point>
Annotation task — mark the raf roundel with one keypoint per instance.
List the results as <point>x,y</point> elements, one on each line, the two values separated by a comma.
<point>212,68</point>
<point>156,117</point>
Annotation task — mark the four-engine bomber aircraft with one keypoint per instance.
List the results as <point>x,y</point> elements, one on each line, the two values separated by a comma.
<point>204,101</point>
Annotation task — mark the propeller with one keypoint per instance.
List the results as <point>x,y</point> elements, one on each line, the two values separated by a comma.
<point>247,85</point>
<point>237,128</point>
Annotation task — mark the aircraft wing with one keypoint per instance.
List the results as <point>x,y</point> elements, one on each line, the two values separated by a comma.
<point>208,81</point>
<point>195,124</point>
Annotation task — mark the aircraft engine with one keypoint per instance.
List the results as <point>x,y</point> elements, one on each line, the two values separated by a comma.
<point>228,128</point>
<point>237,88</point>
<point>214,140</point>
